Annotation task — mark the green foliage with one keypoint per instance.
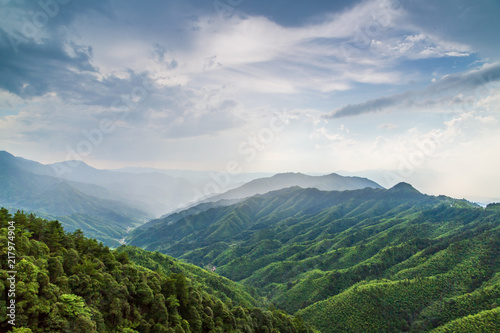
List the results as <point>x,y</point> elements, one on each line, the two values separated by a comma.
<point>213,284</point>
<point>494,206</point>
<point>69,283</point>
<point>368,260</point>
<point>483,322</point>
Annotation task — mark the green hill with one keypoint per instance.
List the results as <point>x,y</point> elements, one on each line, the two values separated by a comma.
<point>66,282</point>
<point>369,260</point>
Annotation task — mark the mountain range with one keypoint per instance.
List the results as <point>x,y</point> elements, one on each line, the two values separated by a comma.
<point>107,204</point>
<point>368,260</point>
<point>31,186</point>
<point>331,182</point>
<point>104,204</point>
<point>340,254</point>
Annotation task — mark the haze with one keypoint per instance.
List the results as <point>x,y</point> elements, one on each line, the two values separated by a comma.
<point>394,91</point>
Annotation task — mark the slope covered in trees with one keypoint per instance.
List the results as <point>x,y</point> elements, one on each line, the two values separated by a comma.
<point>66,282</point>
<point>369,260</point>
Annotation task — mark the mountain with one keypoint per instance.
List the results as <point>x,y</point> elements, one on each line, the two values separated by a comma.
<point>222,221</point>
<point>332,182</point>
<point>154,192</point>
<point>264,185</point>
<point>198,177</point>
<point>182,213</point>
<point>368,260</point>
<point>105,204</point>
<point>28,185</point>
<point>65,282</point>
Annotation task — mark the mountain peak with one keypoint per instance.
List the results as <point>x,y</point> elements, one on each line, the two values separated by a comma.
<point>400,187</point>
<point>5,154</point>
<point>287,174</point>
<point>331,182</point>
<point>333,174</point>
<point>73,163</point>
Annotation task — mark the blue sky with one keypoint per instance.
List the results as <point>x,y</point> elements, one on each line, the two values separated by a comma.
<point>403,90</point>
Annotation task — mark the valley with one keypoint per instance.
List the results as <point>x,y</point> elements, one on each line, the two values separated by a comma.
<point>309,253</point>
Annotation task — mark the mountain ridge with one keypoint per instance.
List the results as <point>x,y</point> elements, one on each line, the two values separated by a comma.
<point>312,199</point>
<point>31,186</point>
<point>279,181</point>
<point>323,254</point>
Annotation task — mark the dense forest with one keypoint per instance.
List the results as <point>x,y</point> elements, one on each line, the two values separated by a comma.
<point>66,282</point>
<point>370,260</point>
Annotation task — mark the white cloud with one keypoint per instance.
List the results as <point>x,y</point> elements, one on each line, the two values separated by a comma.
<point>419,46</point>
<point>337,139</point>
<point>217,82</point>
<point>255,54</point>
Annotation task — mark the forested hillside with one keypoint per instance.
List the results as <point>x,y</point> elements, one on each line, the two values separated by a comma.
<point>370,260</point>
<point>66,282</point>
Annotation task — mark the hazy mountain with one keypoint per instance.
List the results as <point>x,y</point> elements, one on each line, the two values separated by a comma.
<point>332,182</point>
<point>154,192</point>
<point>103,203</point>
<point>27,185</point>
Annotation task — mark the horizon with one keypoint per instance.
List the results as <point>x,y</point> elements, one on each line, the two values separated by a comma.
<point>211,176</point>
<point>396,90</point>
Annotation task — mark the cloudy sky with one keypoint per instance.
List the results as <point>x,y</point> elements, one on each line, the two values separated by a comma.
<point>401,90</point>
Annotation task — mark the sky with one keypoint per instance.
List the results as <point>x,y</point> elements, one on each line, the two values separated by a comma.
<point>396,90</point>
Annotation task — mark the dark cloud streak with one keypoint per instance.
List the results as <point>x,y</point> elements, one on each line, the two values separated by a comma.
<point>477,82</point>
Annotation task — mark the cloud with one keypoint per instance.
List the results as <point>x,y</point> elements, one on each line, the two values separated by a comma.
<point>419,46</point>
<point>374,105</point>
<point>256,54</point>
<point>97,58</point>
<point>448,90</point>
<point>27,21</point>
<point>336,138</point>
<point>63,68</point>
<point>474,24</point>
<point>211,82</point>
<point>41,68</point>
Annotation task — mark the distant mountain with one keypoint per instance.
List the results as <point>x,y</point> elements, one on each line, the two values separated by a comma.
<point>91,199</point>
<point>29,186</point>
<point>368,260</point>
<point>332,182</point>
<point>154,192</point>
